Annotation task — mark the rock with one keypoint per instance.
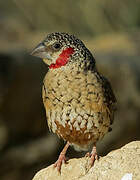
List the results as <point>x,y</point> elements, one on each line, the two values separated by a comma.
<point>116,165</point>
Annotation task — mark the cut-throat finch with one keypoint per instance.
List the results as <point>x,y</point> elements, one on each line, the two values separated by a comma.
<point>78,100</point>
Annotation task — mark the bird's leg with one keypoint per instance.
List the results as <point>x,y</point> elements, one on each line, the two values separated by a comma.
<point>93,155</point>
<point>62,157</point>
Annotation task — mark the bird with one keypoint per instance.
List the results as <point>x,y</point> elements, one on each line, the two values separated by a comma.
<point>79,101</point>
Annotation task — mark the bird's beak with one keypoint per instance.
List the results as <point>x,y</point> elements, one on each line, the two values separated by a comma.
<point>40,51</point>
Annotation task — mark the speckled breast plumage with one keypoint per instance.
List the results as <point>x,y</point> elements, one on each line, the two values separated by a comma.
<point>78,105</point>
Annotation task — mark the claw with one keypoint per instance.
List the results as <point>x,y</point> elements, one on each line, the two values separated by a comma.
<point>93,156</point>
<point>58,163</point>
<point>62,158</point>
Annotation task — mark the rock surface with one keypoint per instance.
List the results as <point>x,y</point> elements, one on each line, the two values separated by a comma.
<point>114,166</point>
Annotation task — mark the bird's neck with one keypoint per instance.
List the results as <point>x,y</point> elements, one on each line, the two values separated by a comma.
<point>63,58</point>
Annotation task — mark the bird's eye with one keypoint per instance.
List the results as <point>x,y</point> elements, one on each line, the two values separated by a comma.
<point>57,46</point>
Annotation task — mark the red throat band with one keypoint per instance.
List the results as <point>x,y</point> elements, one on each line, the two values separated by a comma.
<point>63,58</point>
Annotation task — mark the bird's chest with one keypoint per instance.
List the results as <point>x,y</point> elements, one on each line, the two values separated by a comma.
<point>72,104</point>
<point>64,96</point>
<point>75,89</point>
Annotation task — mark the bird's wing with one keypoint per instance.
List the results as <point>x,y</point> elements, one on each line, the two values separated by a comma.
<point>44,93</point>
<point>110,99</point>
<point>108,93</point>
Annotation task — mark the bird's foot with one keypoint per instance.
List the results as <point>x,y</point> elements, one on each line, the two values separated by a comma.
<point>93,156</point>
<point>58,163</point>
<point>62,158</point>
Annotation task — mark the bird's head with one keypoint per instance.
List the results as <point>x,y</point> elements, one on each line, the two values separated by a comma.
<point>62,49</point>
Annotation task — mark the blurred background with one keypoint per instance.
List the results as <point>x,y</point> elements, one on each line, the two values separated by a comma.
<point>109,28</point>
